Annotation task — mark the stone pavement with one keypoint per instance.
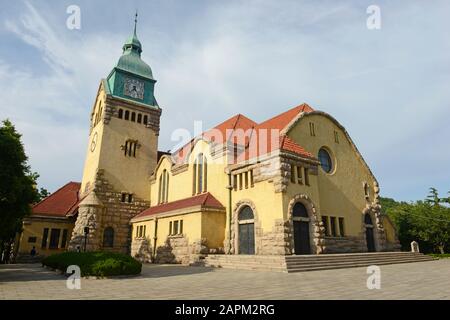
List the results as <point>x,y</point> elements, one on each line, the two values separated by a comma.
<point>422,280</point>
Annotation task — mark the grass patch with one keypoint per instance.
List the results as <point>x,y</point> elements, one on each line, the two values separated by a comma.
<point>100,264</point>
<point>440,256</point>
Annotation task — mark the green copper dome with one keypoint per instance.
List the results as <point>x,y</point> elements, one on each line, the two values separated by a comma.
<point>131,71</point>
<point>131,58</point>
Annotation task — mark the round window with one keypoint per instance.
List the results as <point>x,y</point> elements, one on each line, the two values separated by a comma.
<point>325,160</point>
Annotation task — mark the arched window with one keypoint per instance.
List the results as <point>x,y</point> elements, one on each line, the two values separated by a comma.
<point>108,237</point>
<point>367,219</point>
<point>246,214</point>
<point>127,114</point>
<point>200,174</point>
<point>145,120</point>
<point>139,118</point>
<point>163,194</point>
<point>120,113</point>
<point>299,210</point>
<point>133,116</point>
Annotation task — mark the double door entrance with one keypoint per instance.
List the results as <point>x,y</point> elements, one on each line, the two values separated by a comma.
<point>302,243</point>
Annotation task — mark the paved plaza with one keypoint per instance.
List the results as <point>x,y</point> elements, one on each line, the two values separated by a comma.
<point>422,280</point>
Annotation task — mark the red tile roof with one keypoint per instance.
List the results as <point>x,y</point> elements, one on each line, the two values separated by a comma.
<point>60,203</point>
<point>261,134</point>
<point>283,119</point>
<point>206,200</point>
<point>289,145</point>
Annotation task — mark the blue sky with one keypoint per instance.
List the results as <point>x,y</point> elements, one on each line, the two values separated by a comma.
<point>390,88</point>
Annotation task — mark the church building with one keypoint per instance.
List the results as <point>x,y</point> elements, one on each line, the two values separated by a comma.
<point>294,184</point>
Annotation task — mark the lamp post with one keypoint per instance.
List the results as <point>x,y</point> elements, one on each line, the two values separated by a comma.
<point>86,232</point>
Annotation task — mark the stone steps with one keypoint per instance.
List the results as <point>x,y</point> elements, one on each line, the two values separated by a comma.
<point>298,263</point>
<point>28,259</point>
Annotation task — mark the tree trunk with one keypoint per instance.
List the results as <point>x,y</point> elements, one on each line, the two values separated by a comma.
<point>441,248</point>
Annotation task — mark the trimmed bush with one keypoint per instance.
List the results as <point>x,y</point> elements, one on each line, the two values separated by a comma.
<point>100,264</point>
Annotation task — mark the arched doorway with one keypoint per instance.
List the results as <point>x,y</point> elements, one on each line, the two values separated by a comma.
<point>300,219</point>
<point>246,230</point>
<point>369,233</point>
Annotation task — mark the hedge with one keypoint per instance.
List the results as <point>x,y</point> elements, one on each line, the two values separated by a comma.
<point>95,263</point>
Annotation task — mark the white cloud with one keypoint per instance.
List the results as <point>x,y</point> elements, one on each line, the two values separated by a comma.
<point>388,87</point>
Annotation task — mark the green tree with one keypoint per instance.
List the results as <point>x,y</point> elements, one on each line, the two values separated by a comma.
<point>427,221</point>
<point>17,187</point>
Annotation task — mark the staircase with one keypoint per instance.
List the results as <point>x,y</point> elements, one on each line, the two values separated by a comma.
<point>299,263</point>
<point>26,258</point>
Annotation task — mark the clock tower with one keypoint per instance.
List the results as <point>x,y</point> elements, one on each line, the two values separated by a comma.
<point>121,154</point>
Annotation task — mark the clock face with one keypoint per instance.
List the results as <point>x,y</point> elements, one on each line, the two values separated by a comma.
<point>94,142</point>
<point>134,88</point>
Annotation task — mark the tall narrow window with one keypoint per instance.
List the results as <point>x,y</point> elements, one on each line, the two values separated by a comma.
<point>235,181</point>
<point>200,173</point>
<point>175,227</point>
<point>124,197</point>
<point>240,181</point>
<point>333,226</point>
<point>252,183</point>
<point>145,227</point>
<point>194,178</point>
<point>299,175</point>
<point>64,239</point>
<point>54,238</point>
<point>341,227</point>
<point>325,225</point>
<point>293,177</point>
<point>366,190</point>
<point>130,198</point>
<point>44,238</point>
<point>170,228</point>
<point>100,113</point>
<point>127,114</point>
<point>235,153</point>
<point>336,136</point>
<point>307,176</point>
<point>312,129</point>
<point>145,119</point>
<point>133,116</point>
<point>108,237</point>
<point>181,227</point>
<point>139,118</point>
<point>246,180</point>
<point>163,187</point>
<point>120,113</point>
<point>205,175</point>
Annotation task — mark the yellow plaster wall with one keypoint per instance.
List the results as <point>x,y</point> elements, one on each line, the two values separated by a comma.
<point>213,225</point>
<point>181,184</point>
<point>191,227</point>
<point>126,174</point>
<point>268,204</point>
<point>36,229</point>
<point>340,193</point>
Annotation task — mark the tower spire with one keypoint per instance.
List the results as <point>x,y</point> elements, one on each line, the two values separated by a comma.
<point>135,22</point>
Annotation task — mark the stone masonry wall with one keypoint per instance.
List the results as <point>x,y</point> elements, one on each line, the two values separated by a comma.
<point>111,212</point>
<point>177,249</point>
